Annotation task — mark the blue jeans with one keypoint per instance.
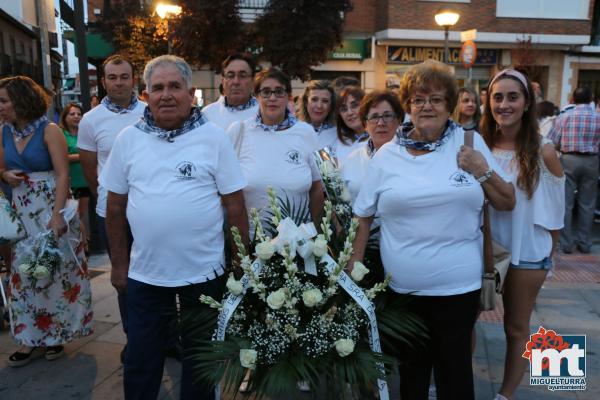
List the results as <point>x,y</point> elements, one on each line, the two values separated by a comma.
<point>545,264</point>
<point>149,309</point>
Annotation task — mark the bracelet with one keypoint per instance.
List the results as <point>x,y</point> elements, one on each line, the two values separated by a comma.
<point>487,175</point>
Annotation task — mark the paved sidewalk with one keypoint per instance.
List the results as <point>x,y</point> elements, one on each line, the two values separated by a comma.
<point>569,303</point>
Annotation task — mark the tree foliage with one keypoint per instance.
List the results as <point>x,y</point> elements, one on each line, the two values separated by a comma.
<point>294,35</point>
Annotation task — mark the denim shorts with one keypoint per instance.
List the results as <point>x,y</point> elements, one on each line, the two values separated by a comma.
<point>545,264</point>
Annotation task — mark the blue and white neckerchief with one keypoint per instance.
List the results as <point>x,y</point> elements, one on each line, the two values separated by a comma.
<point>148,124</point>
<point>287,123</point>
<point>371,150</point>
<point>28,130</point>
<point>117,109</point>
<point>323,127</point>
<point>403,134</point>
<point>361,137</point>
<point>249,104</point>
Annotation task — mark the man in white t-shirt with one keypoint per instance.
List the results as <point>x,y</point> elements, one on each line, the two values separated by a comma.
<point>170,175</point>
<point>97,131</point>
<point>237,102</point>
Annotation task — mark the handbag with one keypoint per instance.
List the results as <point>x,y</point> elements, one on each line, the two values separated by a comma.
<point>11,227</point>
<point>496,259</point>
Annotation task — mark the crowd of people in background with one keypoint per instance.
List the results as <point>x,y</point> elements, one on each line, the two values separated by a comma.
<point>166,176</point>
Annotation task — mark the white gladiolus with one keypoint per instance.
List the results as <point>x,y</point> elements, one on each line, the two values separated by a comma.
<point>344,347</point>
<point>276,299</point>
<point>41,272</point>
<point>312,297</point>
<point>359,271</point>
<point>265,250</point>
<point>248,358</point>
<point>320,246</point>
<point>234,286</point>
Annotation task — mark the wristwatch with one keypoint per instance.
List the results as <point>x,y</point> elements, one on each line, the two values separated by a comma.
<point>487,175</point>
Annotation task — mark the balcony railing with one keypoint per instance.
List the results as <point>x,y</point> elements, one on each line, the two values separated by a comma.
<point>251,9</point>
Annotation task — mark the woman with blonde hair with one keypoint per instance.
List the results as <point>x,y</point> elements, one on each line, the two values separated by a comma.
<point>317,108</point>
<point>467,112</point>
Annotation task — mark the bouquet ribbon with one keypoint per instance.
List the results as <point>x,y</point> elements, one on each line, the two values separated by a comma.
<point>298,240</point>
<point>345,283</point>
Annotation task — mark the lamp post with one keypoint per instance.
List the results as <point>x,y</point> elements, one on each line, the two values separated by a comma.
<point>446,19</point>
<point>168,11</point>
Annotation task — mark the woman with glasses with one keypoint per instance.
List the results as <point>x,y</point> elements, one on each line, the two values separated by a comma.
<point>531,230</point>
<point>276,150</point>
<point>428,189</point>
<point>467,112</point>
<point>351,132</point>
<point>318,109</point>
<point>381,111</point>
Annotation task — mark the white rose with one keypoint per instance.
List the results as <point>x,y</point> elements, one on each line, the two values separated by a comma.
<point>359,271</point>
<point>327,167</point>
<point>41,272</point>
<point>265,250</point>
<point>248,358</point>
<point>312,297</point>
<point>24,268</point>
<point>320,246</point>
<point>276,299</point>
<point>345,196</point>
<point>234,286</point>
<point>344,346</point>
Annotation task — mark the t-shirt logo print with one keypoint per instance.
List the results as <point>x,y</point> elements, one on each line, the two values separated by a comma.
<point>185,171</point>
<point>293,157</point>
<point>459,179</point>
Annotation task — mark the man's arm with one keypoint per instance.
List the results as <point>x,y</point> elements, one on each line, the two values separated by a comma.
<point>89,164</point>
<point>236,216</point>
<point>116,228</point>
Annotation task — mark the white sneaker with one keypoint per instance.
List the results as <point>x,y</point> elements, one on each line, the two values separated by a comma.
<point>432,391</point>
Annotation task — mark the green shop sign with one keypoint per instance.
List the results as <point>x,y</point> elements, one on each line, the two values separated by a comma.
<point>351,49</point>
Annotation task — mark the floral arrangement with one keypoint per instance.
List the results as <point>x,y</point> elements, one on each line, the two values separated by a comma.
<point>336,190</point>
<point>39,256</point>
<point>297,316</point>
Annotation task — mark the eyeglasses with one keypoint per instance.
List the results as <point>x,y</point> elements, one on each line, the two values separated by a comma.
<point>353,107</point>
<point>267,92</point>
<point>435,101</point>
<point>386,118</point>
<point>241,76</point>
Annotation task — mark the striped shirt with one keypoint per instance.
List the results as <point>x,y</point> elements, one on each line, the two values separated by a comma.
<point>577,131</point>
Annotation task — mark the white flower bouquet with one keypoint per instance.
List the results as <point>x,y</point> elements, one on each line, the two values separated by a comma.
<point>38,257</point>
<point>297,316</point>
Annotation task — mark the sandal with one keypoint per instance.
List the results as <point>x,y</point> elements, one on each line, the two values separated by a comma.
<point>54,352</point>
<point>20,358</point>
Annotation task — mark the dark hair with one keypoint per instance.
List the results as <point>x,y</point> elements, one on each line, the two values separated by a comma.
<point>317,85</point>
<point>377,96</point>
<point>247,58</point>
<point>62,122</point>
<point>456,114</point>
<point>344,132</point>
<point>582,95</point>
<point>117,59</point>
<point>29,100</point>
<point>528,143</point>
<point>545,109</point>
<point>341,82</point>
<point>272,73</point>
<point>427,76</point>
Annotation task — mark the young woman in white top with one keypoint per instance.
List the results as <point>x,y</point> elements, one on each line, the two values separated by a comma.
<point>530,231</point>
<point>317,108</point>
<point>382,113</point>
<point>428,189</point>
<point>276,150</point>
<point>351,132</point>
<point>467,112</point>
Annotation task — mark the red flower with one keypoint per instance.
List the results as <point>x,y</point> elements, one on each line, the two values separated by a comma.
<point>72,293</point>
<point>88,318</point>
<point>43,321</point>
<point>19,328</point>
<point>15,279</point>
<point>545,339</point>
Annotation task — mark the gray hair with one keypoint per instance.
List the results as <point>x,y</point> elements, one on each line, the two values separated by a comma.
<point>183,67</point>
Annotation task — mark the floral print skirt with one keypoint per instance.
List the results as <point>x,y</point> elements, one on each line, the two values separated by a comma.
<point>55,309</point>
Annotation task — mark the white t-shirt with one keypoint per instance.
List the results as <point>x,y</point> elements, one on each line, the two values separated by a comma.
<point>282,160</point>
<point>343,150</point>
<point>430,215</point>
<point>223,117</point>
<point>353,168</point>
<point>98,130</point>
<point>327,137</point>
<point>174,204</point>
<point>525,230</point>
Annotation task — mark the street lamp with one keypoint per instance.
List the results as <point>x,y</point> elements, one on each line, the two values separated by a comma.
<point>168,11</point>
<point>446,19</point>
